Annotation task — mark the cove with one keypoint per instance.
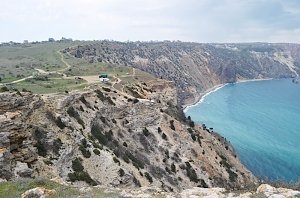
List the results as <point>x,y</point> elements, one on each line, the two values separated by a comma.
<point>261,119</point>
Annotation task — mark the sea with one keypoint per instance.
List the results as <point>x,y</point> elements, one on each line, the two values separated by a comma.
<point>261,119</point>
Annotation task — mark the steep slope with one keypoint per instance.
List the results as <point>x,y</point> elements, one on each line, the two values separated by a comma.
<point>196,67</point>
<point>106,137</point>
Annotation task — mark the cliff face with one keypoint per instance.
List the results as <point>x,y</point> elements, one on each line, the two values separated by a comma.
<point>108,137</point>
<point>197,67</point>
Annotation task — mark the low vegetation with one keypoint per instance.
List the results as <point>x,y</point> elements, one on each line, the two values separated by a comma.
<point>79,174</point>
<point>14,189</point>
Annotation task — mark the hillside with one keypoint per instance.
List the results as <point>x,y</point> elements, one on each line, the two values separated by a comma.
<point>196,67</point>
<point>107,137</point>
<point>59,122</point>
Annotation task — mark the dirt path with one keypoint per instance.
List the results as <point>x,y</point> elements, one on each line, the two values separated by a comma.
<point>63,60</point>
<point>41,71</point>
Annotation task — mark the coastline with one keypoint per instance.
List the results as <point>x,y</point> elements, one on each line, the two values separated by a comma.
<point>201,96</point>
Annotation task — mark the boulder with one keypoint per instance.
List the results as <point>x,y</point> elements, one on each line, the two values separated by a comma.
<point>38,193</point>
<point>23,170</point>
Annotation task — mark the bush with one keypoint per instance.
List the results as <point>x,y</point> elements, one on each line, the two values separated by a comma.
<point>82,176</point>
<point>193,136</point>
<point>148,177</point>
<point>159,130</point>
<point>57,145</point>
<point>106,89</point>
<point>86,153</point>
<point>116,161</point>
<point>172,125</point>
<point>121,172</point>
<point>136,182</point>
<point>135,161</point>
<point>71,111</point>
<point>191,173</point>
<point>192,124</point>
<point>76,165</point>
<point>173,168</point>
<point>59,123</point>
<point>203,184</point>
<point>96,151</point>
<point>164,136</point>
<point>146,132</point>
<point>42,151</point>
<point>232,175</point>
<point>4,89</point>
<point>135,100</point>
<point>96,132</point>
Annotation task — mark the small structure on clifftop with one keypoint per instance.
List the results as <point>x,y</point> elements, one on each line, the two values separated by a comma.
<point>103,77</point>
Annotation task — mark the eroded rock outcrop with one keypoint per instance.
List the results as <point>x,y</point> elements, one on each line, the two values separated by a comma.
<point>196,67</point>
<point>106,137</point>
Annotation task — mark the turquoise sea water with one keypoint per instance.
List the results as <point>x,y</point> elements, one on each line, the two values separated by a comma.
<point>262,121</point>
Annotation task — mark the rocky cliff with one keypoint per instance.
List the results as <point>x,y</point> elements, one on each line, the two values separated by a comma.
<point>196,67</point>
<point>103,136</point>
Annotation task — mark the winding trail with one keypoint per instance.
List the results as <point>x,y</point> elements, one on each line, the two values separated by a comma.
<point>41,71</point>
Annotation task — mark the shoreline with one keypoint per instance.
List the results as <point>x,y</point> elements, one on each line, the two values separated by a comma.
<point>201,96</point>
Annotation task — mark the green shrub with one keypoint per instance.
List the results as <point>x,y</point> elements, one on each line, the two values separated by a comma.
<point>96,132</point>
<point>159,130</point>
<point>135,100</point>
<point>96,151</point>
<point>86,153</point>
<point>148,177</point>
<point>138,163</point>
<point>42,151</point>
<point>193,137</point>
<point>164,136</point>
<point>57,145</point>
<point>109,135</point>
<point>82,176</point>
<point>203,184</point>
<point>121,172</point>
<point>192,124</point>
<point>136,182</point>
<point>173,168</point>
<point>190,131</point>
<point>76,165</point>
<point>172,125</point>
<point>71,111</point>
<point>232,175</point>
<point>103,119</point>
<point>4,89</point>
<point>146,132</point>
<point>100,95</point>
<point>116,161</point>
<point>59,123</point>
<point>106,89</point>
<point>79,174</point>
<point>191,173</point>
<point>168,170</point>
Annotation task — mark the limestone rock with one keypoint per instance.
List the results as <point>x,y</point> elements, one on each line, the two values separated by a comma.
<point>22,170</point>
<point>38,193</point>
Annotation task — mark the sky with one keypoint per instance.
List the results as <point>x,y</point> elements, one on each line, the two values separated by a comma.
<point>202,21</point>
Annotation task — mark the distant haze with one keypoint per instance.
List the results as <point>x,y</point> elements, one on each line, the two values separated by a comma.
<point>186,20</point>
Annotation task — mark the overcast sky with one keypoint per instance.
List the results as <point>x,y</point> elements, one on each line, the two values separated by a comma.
<point>144,20</point>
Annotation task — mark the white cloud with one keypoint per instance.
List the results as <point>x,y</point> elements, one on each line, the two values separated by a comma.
<point>188,20</point>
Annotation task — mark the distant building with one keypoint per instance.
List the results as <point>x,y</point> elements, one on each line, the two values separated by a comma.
<point>25,41</point>
<point>63,39</point>
<point>103,77</point>
<point>51,40</point>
